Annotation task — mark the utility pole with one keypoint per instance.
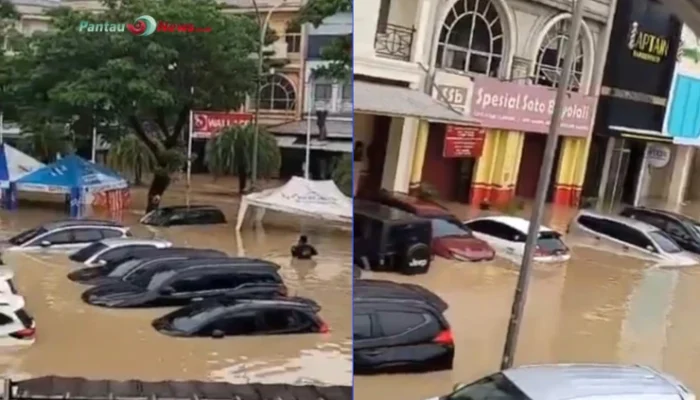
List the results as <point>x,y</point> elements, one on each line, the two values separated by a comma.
<point>542,185</point>
<point>258,87</point>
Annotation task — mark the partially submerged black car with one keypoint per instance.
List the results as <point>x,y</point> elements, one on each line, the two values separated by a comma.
<point>388,239</point>
<point>180,284</point>
<point>399,327</point>
<point>96,275</point>
<point>184,215</point>
<point>231,316</point>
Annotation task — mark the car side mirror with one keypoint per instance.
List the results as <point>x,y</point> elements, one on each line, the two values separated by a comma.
<point>217,334</point>
<point>167,290</point>
<point>45,243</point>
<point>101,263</point>
<point>458,386</point>
<point>651,248</point>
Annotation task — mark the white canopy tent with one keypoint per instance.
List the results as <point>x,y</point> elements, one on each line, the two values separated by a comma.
<point>302,197</point>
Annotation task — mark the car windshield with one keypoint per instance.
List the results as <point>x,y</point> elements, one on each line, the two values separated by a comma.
<point>26,236</point>
<point>494,387</point>
<point>124,267</point>
<point>189,318</point>
<point>156,279</point>
<point>83,254</point>
<point>443,228</point>
<point>159,216</point>
<point>664,242</point>
<point>550,242</point>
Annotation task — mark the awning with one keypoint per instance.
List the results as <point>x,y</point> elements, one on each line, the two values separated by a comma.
<point>292,142</point>
<point>642,134</point>
<point>335,128</point>
<point>372,98</point>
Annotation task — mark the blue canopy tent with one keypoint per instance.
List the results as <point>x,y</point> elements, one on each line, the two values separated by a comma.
<point>14,165</point>
<point>73,176</point>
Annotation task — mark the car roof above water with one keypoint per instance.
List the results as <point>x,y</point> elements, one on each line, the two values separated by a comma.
<point>599,381</point>
<point>133,242</point>
<point>384,213</point>
<point>631,222</point>
<point>375,289</point>
<point>520,224</point>
<point>254,264</point>
<point>80,222</point>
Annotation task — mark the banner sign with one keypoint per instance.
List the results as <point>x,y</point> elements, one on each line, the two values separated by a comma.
<point>463,141</point>
<point>208,123</point>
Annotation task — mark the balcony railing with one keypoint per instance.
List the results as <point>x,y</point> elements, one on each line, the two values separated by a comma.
<point>394,41</point>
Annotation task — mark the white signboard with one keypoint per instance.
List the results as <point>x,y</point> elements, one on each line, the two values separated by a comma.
<point>658,155</point>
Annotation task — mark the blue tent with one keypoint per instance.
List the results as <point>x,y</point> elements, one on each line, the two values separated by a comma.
<point>69,174</point>
<point>14,165</point>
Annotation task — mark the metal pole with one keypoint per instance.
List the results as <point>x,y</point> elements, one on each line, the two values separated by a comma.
<point>93,155</point>
<point>542,185</point>
<point>258,87</point>
<point>189,143</point>
<point>2,127</point>
<point>307,158</point>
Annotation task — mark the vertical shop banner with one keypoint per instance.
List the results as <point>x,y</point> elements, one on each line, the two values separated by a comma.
<point>208,123</point>
<point>463,141</point>
<point>682,120</point>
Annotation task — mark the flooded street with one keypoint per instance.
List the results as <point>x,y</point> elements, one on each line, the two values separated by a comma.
<point>74,339</point>
<point>598,307</point>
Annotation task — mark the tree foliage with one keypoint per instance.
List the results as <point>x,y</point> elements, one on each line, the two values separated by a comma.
<point>230,153</point>
<point>46,141</point>
<point>143,82</point>
<point>130,156</point>
<point>339,52</point>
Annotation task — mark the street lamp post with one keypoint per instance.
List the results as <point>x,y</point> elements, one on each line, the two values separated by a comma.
<point>542,185</point>
<point>258,87</point>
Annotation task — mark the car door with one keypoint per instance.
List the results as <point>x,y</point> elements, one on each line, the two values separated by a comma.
<point>238,323</point>
<point>403,340</point>
<point>280,321</point>
<point>84,237</point>
<point>365,340</point>
<point>499,236</point>
<point>56,240</point>
<point>184,288</point>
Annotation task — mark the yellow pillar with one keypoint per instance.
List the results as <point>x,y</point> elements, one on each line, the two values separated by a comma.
<point>497,169</point>
<point>419,154</point>
<point>571,170</point>
<point>483,177</point>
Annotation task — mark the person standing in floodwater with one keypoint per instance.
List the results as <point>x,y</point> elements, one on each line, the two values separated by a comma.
<point>303,250</point>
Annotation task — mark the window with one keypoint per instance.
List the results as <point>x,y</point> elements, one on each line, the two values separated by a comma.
<point>244,323</point>
<point>471,38</point>
<point>4,319</point>
<point>631,236</point>
<point>494,387</point>
<point>664,242</point>
<point>323,91</point>
<point>361,327</point>
<point>87,235</point>
<point>61,237</point>
<point>675,230</point>
<point>26,236</point>
<point>397,323</point>
<point>442,228</point>
<point>121,252</point>
<point>383,20</point>
<point>205,282</point>
<point>277,94</point>
<point>83,254</point>
<point>24,318</point>
<point>316,44</point>
<point>550,242</point>
<point>550,58</point>
<point>211,217</point>
<point>347,92</point>
<point>497,230</point>
<point>279,320</point>
<point>293,38</point>
<point>112,233</point>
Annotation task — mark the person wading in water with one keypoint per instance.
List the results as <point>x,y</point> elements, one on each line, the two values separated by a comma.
<point>303,250</point>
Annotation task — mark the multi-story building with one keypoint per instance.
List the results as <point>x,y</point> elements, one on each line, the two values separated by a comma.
<point>494,64</point>
<point>331,97</point>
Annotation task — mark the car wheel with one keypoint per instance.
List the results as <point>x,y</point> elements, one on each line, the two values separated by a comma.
<point>417,259</point>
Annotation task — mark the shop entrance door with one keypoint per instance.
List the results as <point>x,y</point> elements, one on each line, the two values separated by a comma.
<point>463,184</point>
<point>619,166</point>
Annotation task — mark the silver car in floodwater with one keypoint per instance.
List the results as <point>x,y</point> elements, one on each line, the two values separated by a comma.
<point>628,236</point>
<point>574,382</point>
<point>68,235</point>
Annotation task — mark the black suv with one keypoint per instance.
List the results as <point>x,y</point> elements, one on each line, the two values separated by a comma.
<point>228,316</point>
<point>684,230</point>
<point>184,215</point>
<point>194,280</point>
<point>388,239</point>
<point>399,328</point>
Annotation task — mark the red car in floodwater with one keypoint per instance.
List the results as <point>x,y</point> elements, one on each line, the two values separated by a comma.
<point>451,239</point>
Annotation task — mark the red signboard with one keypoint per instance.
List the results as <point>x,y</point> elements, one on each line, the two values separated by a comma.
<point>208,123</point>
<point>463,141</point>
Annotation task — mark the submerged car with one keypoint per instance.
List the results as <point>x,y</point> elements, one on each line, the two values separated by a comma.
<point>573,382</point>
<point>628,236</point>
<point>235,316</point>
<point>173,286</point>
<point>7,284</point>
<point>96,275</point>
<point>681,228</point>
<point>507,235</point>
<point>105,251</point>
<point>66,235</point>
<point>399,327</point>
<point>17,327</point>
<point>184,215</point>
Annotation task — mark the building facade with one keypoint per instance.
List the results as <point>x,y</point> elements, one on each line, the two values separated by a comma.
<point>496,63</point>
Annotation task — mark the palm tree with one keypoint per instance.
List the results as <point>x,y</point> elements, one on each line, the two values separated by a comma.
<point>230,153</point>
<point>45,141</point>
<point>129,155</point>
<point>342,173</point>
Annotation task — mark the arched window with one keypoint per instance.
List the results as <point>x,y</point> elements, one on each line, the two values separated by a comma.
<point>277,94</point>
<point>471,38</point>
<point>550,57</point>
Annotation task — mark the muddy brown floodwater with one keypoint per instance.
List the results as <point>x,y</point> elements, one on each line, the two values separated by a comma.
<point>74,339</point>
<point>598,307</point>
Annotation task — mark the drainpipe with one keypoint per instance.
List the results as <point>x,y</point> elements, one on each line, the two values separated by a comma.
<point>597,80</point>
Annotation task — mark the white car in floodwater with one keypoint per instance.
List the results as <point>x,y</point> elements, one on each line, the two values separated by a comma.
<point>17,327</point>
<point>507,236</point>
<point>68,235</point>
<point>104,251</point>
<point>572,382</point>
